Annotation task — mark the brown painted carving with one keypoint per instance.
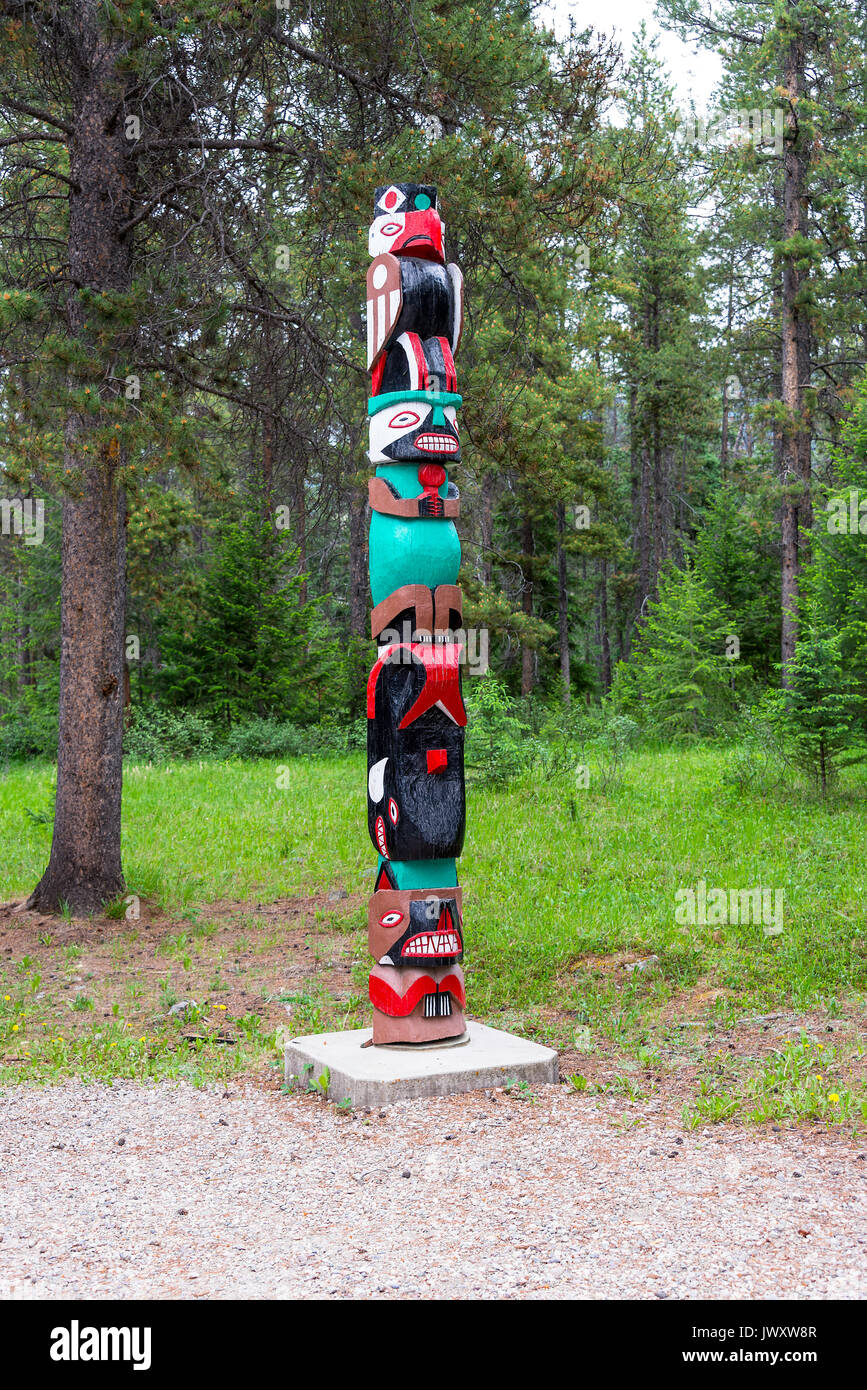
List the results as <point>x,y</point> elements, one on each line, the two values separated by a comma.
<point>382,499</point>
<point>384,935</point>
<point>448,599</point>
<point>433,608</point>
<point>415,596</point>
<point>384,303</point>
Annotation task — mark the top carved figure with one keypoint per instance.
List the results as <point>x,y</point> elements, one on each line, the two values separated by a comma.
<point>410,289</point>
<point>406,222</point>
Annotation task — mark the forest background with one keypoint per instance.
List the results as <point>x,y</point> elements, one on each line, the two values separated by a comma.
<point>665,404</point>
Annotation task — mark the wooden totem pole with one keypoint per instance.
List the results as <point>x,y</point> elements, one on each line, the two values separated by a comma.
<point>415,711</point>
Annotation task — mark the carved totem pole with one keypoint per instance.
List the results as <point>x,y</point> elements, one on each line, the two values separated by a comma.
<point>415,711</point>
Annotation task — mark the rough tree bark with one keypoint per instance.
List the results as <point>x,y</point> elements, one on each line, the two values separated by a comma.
<point>796,441</point>
<point>359,624</point>
<point>527,652</point>
<point>563,604</point>
<point>84,868</point>
<point>604,637</point>
<point>486,525</point>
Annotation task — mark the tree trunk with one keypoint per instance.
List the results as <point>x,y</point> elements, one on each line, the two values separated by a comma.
<point>724,436</point>
<point>605,641</point>
<point>635,481</point>
<point>563,604</point>
<point>796,440</point>
<point>268,466</point>
<point>527,653</point>
<point>84,869</point>
<point>486,522</point>
<point>301,528</point>
<point>359,625</point>
<point>645,537</point>
<point>661,505</point>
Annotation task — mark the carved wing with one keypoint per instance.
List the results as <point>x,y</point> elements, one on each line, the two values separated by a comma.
<point>457,305</point>
<point>384,303</point>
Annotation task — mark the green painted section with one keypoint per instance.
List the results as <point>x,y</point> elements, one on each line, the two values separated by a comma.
<point>377,403</point>
<point>404,476</point>
<point>424,873</point>
<point>424,550</point>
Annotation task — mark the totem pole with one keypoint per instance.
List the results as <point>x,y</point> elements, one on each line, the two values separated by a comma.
<point>415,712</point>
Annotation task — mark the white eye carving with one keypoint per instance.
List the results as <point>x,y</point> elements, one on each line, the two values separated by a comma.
<point>403,420</point>
<point>390,919</point>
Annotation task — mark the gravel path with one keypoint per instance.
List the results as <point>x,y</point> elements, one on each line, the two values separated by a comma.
<point>171,1192</point>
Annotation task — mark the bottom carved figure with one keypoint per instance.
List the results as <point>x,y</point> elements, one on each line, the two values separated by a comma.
<point>417,1006</point>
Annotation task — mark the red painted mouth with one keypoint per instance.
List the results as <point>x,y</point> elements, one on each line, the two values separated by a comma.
<point>388,1001</point>
<point>380,837</point>
<point>437,444</point>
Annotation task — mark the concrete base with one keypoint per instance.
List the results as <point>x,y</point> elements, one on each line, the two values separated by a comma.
<point>380,1075</point>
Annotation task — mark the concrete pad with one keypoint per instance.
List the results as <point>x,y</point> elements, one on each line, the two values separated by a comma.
<point>380,1075</point>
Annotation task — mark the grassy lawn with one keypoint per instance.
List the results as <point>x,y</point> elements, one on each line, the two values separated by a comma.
<point>570,921</point>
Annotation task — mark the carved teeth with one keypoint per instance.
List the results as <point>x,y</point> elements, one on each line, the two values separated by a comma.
<point>446,943</point>
<point>437,443</point>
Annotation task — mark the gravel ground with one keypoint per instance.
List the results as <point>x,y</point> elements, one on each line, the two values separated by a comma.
<point>171,1192</point>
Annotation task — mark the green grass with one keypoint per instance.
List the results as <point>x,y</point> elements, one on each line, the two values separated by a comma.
<point>198,831</point>
<point>559,883</point>
<point>802,1080</point>
<point>110,1051</point>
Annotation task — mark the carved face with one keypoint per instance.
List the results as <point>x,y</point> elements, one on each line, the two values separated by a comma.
<point>406,222</point>
<point>415,752</point>
<point>414,427</point>
<point>414,1005</point>
<point>410,927</point>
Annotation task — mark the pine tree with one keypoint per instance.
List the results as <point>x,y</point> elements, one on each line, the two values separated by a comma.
<point>252,650</point>
<point>657,282</point>
<point>802,60</point>
<point>140,145</point>
<point>736,555</point>
<point>836,581</point>
<point>820,711</point>
<point>679,678</point>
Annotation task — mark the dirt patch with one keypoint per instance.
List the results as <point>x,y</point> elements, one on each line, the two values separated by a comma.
<point>233,958</point>
<point>594,963</point>
<point>252,967</point>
